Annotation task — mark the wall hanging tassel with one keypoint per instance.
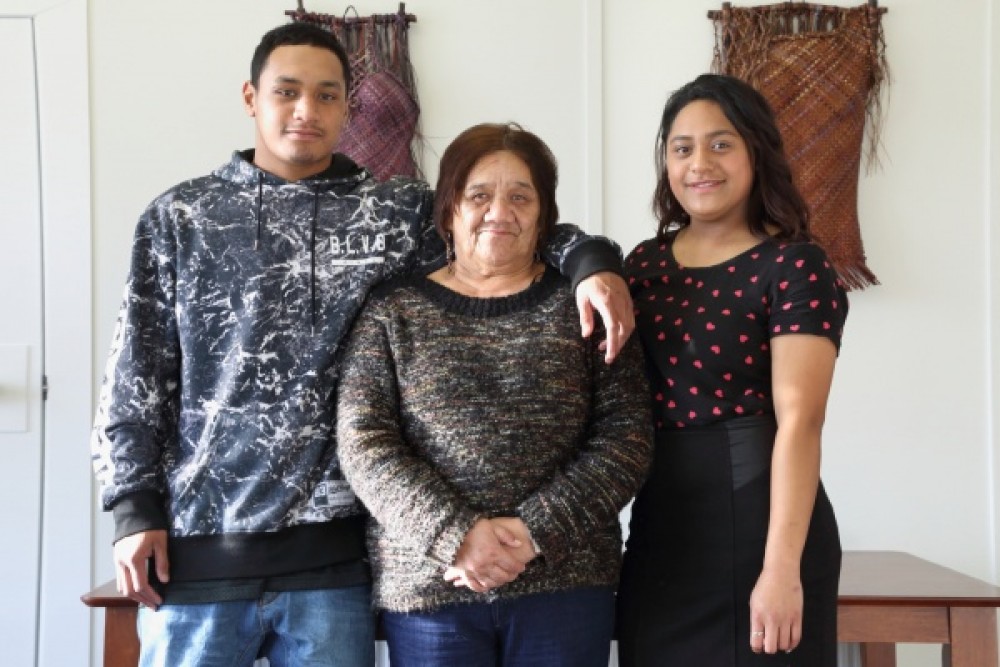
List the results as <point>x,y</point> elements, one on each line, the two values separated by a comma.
<point>382,131</point>
<point>823,69</point>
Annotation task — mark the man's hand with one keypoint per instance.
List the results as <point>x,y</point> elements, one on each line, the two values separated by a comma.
<point>483,562</point>
<point>131,555</point>
<point>608,294</point>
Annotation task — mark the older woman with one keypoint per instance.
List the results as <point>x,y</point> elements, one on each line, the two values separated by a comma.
<point>492,445</point>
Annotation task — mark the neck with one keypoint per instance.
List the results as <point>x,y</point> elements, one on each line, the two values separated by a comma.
<point>709,244</point>
<point>485,283</point>
<point>291,172</point>
<point>714,232</point>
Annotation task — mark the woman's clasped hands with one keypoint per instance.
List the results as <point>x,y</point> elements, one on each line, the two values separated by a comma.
<point>494,552</point>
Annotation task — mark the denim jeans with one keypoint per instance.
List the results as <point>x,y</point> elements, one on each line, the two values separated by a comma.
<point>316,628</point>
<point>564,629</point>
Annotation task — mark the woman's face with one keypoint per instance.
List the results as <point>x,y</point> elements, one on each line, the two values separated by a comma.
<point>495,222</point>
<point>708,165</point>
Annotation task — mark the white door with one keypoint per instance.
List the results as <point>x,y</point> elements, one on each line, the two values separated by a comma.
<point>21,353</point>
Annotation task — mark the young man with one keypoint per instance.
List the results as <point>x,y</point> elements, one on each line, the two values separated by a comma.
<point>214,438</point>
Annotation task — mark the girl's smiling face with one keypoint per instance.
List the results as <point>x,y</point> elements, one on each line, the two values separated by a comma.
<point>708,165</point>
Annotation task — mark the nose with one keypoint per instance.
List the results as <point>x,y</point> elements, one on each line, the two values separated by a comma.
<point>499,209</point>
<point>701,160</point>
<point>304,108</point>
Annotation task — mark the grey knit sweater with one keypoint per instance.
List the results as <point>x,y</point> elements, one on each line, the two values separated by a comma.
<point>453,408</point>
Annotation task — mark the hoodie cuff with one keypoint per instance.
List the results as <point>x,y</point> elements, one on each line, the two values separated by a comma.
<point>138,512</point>
<point>591,257</point>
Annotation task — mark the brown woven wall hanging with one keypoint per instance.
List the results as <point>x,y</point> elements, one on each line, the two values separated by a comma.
<point>822,68</point>
<point>382,126</point>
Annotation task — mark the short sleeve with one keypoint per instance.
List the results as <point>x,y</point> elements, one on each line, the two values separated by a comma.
<point>805,295</point>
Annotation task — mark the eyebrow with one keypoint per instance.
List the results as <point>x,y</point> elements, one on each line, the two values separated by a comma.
<point>522,184</point>
<point>293,80</point>
<point>710,135</point>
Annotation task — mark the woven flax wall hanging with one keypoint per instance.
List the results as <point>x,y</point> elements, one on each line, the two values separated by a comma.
<point>822,69</point>
<point>382,125</point>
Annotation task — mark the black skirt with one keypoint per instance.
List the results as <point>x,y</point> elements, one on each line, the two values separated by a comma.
<point>696,548</point>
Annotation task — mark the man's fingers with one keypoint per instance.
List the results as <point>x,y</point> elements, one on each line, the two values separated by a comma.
<point>613,339</point>
<point>161,562</point>
<point>134,588</point>
<point>586,316</point>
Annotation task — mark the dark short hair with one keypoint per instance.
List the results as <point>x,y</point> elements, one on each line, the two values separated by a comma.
<point>479,141</point>
<point>774,199</point>
<point>297,34</point>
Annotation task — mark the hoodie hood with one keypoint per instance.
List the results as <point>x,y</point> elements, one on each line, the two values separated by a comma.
<point>241,170</point>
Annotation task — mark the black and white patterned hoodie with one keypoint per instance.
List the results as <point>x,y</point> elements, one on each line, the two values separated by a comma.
<point>216,417</point>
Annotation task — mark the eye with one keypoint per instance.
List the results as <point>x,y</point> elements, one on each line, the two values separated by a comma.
<point>479,197</point>
<point>721,145</point>
<point>329,97</point>
<point>681,150</point>
<point>285,92</point>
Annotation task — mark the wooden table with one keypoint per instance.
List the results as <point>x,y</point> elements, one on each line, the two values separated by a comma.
<point>890,596</point>
<point>121,643</point>
<point>885,597</point>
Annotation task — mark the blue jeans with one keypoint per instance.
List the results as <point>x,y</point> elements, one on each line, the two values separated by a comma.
<point>565,629</point>
<point>316,628</point>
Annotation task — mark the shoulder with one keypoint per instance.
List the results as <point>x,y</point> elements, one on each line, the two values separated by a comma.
<point>647,259</point>
<point>392,291</point>
<point>801,253</point>
<point>180,202</point>
<point>192,191</point>
<point>789,260</point>
<point>649,248</point>
<point>397,188</point>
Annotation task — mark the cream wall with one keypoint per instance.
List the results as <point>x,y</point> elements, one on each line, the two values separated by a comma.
<point>910,448</point>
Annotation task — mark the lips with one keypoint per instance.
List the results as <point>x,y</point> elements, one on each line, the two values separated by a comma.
<point>704,185</point>
<point>303,132</point>
<point>498,230</point>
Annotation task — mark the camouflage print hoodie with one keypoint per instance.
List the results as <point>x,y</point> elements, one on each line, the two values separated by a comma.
<point>216,417</point>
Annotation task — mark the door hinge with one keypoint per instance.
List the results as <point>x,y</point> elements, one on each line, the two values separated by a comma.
<point>45,387</point>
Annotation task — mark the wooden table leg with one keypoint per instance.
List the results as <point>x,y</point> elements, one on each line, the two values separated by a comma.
<point>875,654</point>
<point>121,639</point>
<point>973,637</point>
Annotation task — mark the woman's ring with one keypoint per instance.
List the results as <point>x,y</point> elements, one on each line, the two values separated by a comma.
<point>757,633</point>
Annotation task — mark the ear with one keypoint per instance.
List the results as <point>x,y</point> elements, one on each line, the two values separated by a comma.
<point>249,99</point>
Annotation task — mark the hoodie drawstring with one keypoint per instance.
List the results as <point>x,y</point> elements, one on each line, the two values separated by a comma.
<point>260,211</point>
<point>312,256</point>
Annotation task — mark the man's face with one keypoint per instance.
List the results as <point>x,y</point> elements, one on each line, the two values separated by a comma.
<point>299,107</point>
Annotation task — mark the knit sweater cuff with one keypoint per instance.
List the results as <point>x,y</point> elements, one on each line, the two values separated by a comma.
<point>446,545</point>
<point>550,540</point>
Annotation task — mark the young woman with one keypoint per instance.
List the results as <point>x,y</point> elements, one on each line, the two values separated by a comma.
<point>733,556</point>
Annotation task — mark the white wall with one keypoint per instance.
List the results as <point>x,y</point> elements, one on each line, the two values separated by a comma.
<point>993,186</point>
<point>910,448</point>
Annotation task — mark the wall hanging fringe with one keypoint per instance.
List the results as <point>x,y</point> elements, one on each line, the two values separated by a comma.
<point>382,131</point>
<point>824,70</point>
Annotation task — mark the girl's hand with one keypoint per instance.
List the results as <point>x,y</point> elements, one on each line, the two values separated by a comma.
<point>776,612</point>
